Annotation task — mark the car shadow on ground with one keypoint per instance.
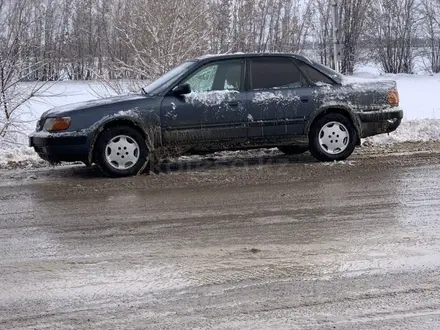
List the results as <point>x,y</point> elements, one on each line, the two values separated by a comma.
<point>204,163</point>
<point>212,163</point>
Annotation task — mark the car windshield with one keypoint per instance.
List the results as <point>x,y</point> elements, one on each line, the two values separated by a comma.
<point>328,71</point>
<point>164,81</point>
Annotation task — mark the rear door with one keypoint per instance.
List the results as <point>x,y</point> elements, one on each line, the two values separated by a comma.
<point>280,99</point>
<point>215,109</point>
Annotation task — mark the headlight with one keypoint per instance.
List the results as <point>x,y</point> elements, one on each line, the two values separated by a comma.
<point>56,124</point>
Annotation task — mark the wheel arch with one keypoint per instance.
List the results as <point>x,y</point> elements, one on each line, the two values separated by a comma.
<point>342,110</point>
<point>120,121</point>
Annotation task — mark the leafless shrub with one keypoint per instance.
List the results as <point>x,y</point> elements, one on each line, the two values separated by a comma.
<point>431,28</point>
<point>15,66</point>
<point>392,27</point>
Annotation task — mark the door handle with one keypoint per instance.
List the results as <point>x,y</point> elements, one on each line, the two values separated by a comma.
<point>304,99</point>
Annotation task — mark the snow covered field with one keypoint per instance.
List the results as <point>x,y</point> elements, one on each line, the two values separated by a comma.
<point>419,98</point>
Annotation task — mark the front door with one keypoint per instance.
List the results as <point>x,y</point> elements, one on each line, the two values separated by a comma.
<point>279,98</point>
<point>214,111</point>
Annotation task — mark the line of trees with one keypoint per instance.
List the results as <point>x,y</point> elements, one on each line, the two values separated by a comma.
<point>49,40</point>
<point>141,39</point>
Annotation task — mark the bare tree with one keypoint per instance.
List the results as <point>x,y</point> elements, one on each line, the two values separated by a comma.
<point>141,39</point>
<point>322,28</point>
<point>352,17</point>
<point>392,28</point>
<point>159,35</point>
<point>111,39</point>
<point>16,63</point>
<point>431,13</point>
<point>353,20</point>
<point>271,25</point>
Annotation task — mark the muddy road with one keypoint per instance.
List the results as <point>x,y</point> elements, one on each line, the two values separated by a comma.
<point>256,243</point>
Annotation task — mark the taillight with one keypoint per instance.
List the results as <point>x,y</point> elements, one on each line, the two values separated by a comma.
<point>393,97</point>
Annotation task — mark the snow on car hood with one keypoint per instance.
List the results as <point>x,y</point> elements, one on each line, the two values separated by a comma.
<point>91,104</point>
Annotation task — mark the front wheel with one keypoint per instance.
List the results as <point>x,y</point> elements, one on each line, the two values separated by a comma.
<point>121,151</point>
<point>332,137</point>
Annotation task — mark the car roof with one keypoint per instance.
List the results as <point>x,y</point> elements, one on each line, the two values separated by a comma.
<point>244,55</point>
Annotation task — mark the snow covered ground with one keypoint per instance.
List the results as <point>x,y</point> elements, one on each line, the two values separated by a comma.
<point>419,98</point>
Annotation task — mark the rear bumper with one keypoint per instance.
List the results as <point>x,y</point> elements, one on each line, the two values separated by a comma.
<point>379,122</point>
<point>56,149</point>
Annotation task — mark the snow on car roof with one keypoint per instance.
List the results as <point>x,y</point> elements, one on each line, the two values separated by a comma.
<point>225,55</point>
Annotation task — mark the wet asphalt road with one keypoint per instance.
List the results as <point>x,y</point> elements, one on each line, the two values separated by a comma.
<point>296,245</point>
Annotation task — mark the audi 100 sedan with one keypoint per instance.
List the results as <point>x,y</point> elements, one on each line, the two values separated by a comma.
<point>223,102</point>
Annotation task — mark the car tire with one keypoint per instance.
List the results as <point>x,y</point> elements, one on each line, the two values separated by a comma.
<point>332,138</point>
<point>121,151</point>
<point>293,150</point>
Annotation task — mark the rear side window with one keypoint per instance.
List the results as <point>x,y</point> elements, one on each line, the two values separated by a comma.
<point>274,73</point>
<point>313,75</point>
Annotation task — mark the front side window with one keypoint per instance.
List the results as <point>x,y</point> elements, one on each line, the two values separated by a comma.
<point>203,80</point>
<point>224,75</point>
<point>274,73</point>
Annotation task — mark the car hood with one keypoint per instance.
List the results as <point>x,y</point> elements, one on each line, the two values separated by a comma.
<point>69,108</point>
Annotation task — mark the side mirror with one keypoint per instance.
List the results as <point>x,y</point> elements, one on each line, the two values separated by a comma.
<point>182,89</point>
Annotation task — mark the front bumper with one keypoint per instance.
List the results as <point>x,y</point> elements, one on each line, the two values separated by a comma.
<point>54,148</point>
<point>379,122</point>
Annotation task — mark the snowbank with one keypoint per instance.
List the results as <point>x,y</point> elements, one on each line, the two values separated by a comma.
<point>419,101</point>
<point>20,157</point>
<point>410,131</point>
<point>419,97</point>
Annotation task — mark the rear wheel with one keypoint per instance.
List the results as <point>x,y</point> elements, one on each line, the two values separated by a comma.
<point>121,151</point>
<point>332,137</point>
<point>293,150</point>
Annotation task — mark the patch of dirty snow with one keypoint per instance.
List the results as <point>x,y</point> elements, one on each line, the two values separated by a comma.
<point>355,80</point>
<point>171,114</point>
<point>211,98</point>
<point>410,131</point>
<point>46,134</point>
<point>277,96</point>
<point>218,54</point>
<point>341,162</point>
<point>322,84</point>
<point>236,154</point>
<point>20,156</point>
<point>129,113</point>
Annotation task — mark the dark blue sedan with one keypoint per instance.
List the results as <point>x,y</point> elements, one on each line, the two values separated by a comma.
<point>222,102</point>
